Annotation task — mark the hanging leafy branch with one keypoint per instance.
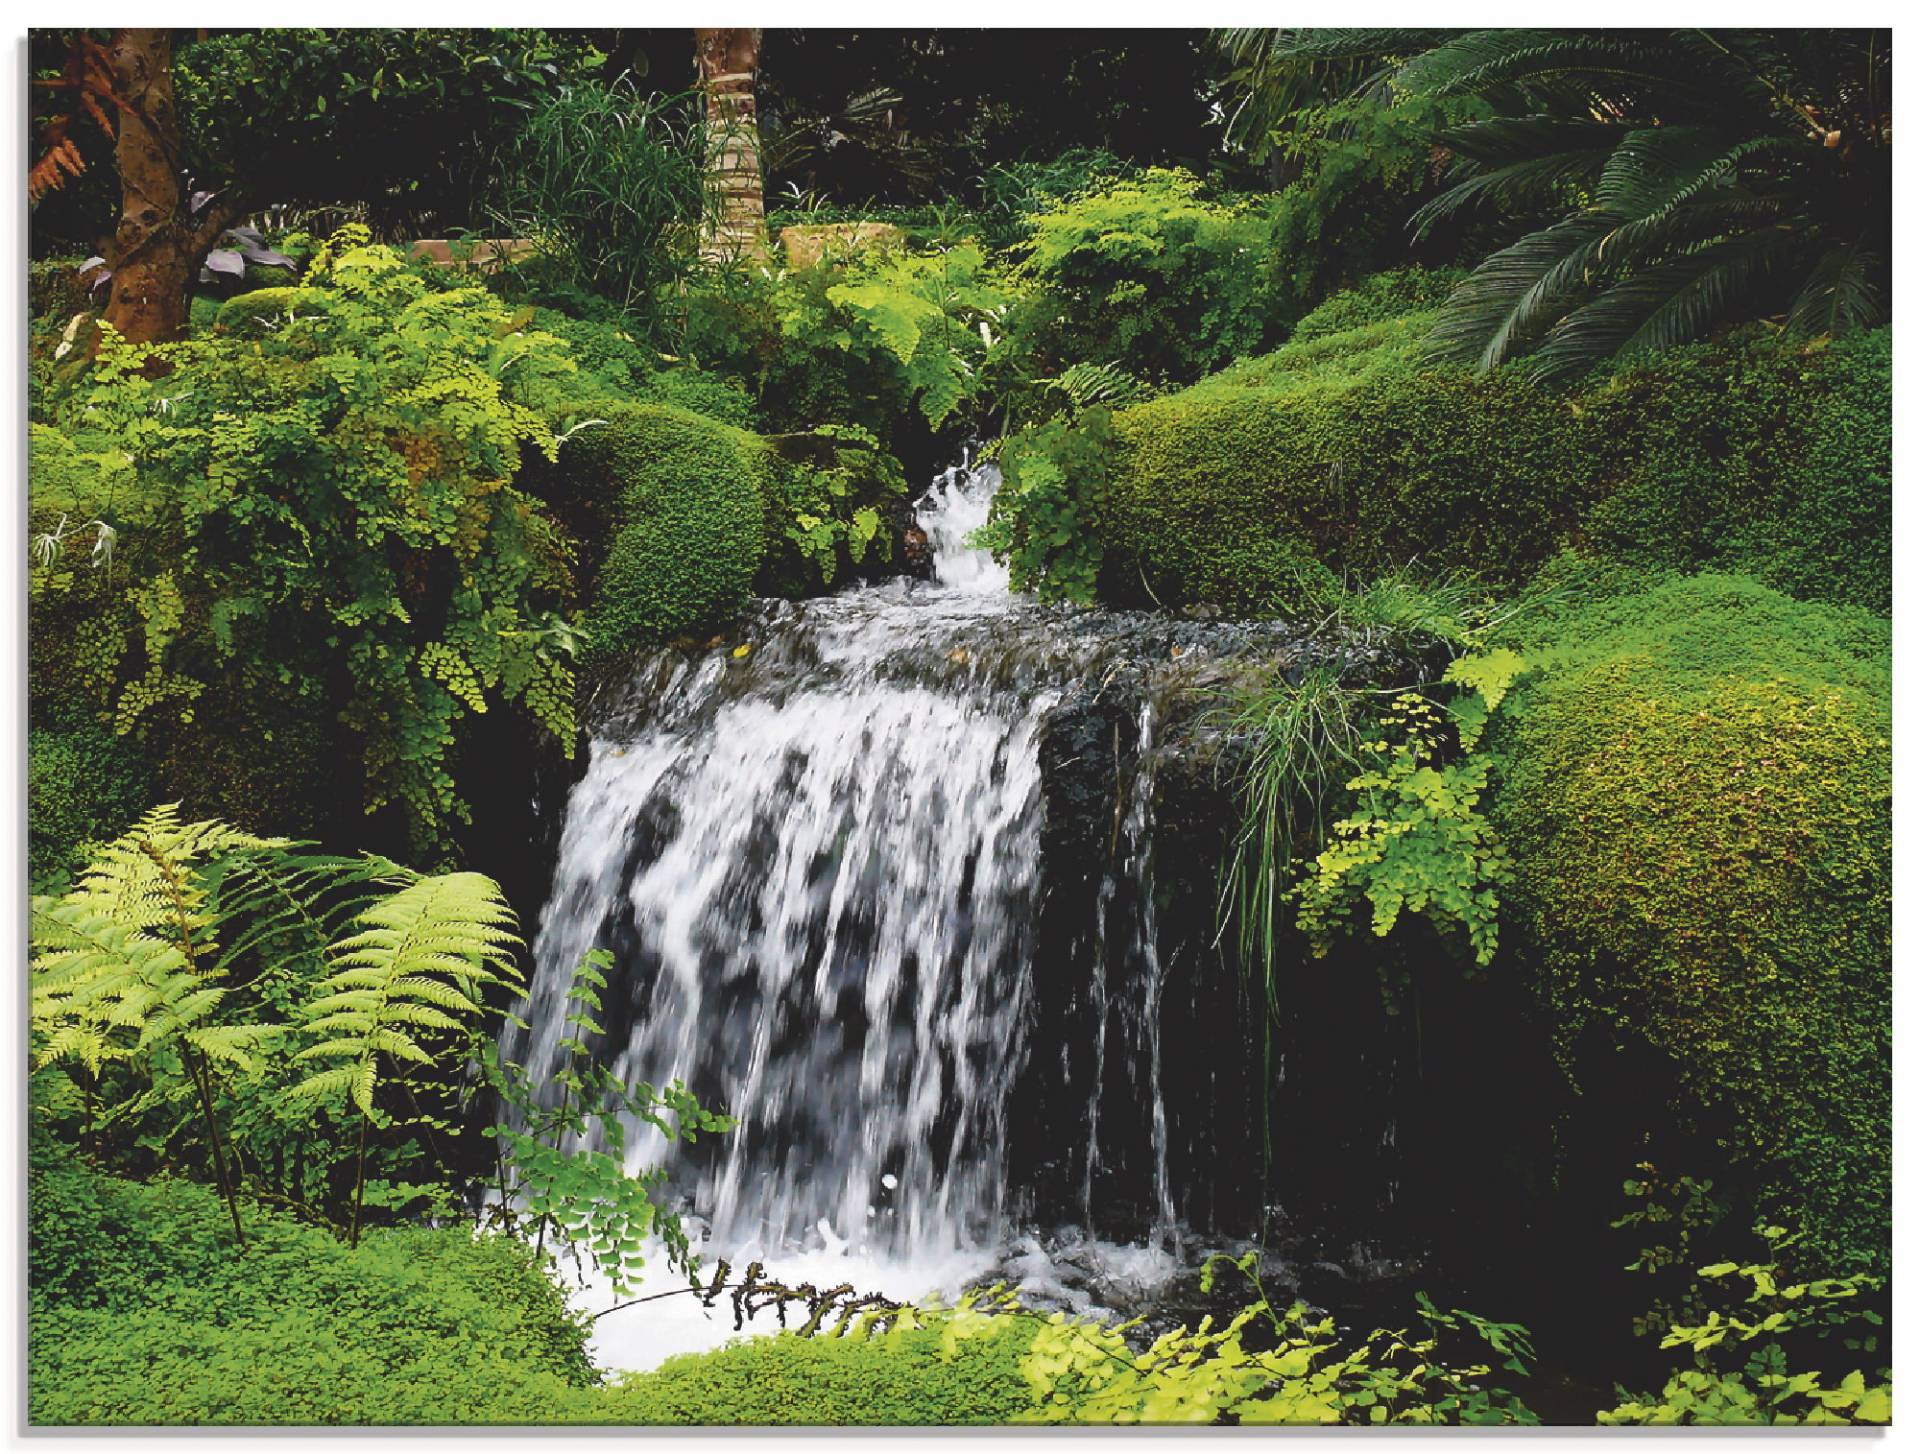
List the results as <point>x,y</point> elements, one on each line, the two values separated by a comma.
<point>550,1169</point>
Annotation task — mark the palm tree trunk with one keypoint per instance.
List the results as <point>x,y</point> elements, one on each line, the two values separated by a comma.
<point>736,225</point>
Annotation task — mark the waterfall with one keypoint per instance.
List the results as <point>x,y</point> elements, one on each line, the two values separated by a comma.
<point>816,861</point>
<point>815,850</point>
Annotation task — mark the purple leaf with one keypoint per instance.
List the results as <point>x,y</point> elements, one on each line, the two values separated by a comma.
<point>197,203</point>
<point>266,257</point>
<point>226,262</point>
<point>247,234</point>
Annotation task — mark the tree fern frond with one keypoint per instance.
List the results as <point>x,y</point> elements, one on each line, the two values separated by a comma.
<point>1516,186</point>
<point>413,956</point>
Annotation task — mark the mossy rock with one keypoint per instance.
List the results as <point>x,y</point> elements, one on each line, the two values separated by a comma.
<point>1697,792</point>
<point>683,501</point>
<point>1349,452</point>
<point>270,304</point>
<point>84,786</point>
<point>1358,460</point>
<point>1753,454</point>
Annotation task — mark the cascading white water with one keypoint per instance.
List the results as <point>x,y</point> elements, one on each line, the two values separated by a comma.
<point>816,859</point>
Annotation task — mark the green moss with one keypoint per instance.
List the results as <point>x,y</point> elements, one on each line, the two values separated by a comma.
<point>1697,794</point>
<point>54,289</point>
<point>701,391</point>
<point>1221,493</point>
<point>1376,299</point>
<point>1757,456</point>
<point>1748,454</point>
<point>143,1311</point>
<point>684,499</point>
<point>896,1378</point>
<point>268,304</point>
<point>84,786</point>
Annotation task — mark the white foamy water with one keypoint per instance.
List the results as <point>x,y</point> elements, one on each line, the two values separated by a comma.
<point>816,863</point>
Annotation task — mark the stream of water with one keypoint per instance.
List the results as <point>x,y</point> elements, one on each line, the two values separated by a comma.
<point>816,860</point>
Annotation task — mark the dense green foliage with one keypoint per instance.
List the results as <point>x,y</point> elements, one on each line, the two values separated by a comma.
<point>1743,455</point>
<point>318,507</point>
<point>682,499</point>
<point>1345,451</point>
<point>913,1375</point>
<point>1420,343</point>
<point>405,122</point>
<point>1151,275</point>
<point>1684,177</point>
<point>84,786</point>
<point>607,184</point>
<point>143,1312</point>
<point>1697,796</point>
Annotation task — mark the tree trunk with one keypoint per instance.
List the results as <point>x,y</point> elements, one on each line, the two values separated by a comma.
<point>736,226</point>
<point>159,243</point>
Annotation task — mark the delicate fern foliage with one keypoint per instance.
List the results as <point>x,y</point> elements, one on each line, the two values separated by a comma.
<point>586,1196</point>
<point>129,961</point>
<point>130,958</point>
<point>421,960</point>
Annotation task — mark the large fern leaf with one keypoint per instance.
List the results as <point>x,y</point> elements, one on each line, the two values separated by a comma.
<point>419,959</point>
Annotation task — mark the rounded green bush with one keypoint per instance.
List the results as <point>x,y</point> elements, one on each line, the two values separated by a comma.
<point>84,786</point>
<point>270,304</point>
<point>1376,299</point>
<point>685,498</point>
<point>144,1311</point>
<point>1697,794</point>
<point>1222,493</point>
<point>1756,455</point>
<point>1751,453</point>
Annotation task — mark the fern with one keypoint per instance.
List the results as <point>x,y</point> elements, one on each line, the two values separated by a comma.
<point>128,961</point>
<point>420,962</point>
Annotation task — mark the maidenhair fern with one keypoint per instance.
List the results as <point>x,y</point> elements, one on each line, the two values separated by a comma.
<point>418,963</point>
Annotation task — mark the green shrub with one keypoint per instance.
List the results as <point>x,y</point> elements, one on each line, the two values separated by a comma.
<point>144,1312</point>
<point>1351,456</point>
<point>84,786</point>
<point>897,1377</point>
<point>701,391</point>
<point>270,305</point>
<point>1392,294</point>
<point>615,364</point>
<point>1149,274</point>
<point>318,504</point>
<point>1345,451</point>
<point>684,500</point>
<point>1697,797</point>
<point>1755,455</point>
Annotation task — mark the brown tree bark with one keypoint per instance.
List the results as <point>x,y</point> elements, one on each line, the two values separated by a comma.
<point>158,244</point>
<point>737,225</point>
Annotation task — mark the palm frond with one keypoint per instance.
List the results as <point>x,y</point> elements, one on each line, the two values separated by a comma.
<point>1840,293</point>
<point>1660,306</point>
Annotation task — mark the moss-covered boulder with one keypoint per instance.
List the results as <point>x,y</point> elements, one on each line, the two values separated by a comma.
<point>1346,451</point>
<point>1751,454</point>
<point>680,501</point>
<point>271,304</point>
<point>1341,451</point>
<point>1697,794</point>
